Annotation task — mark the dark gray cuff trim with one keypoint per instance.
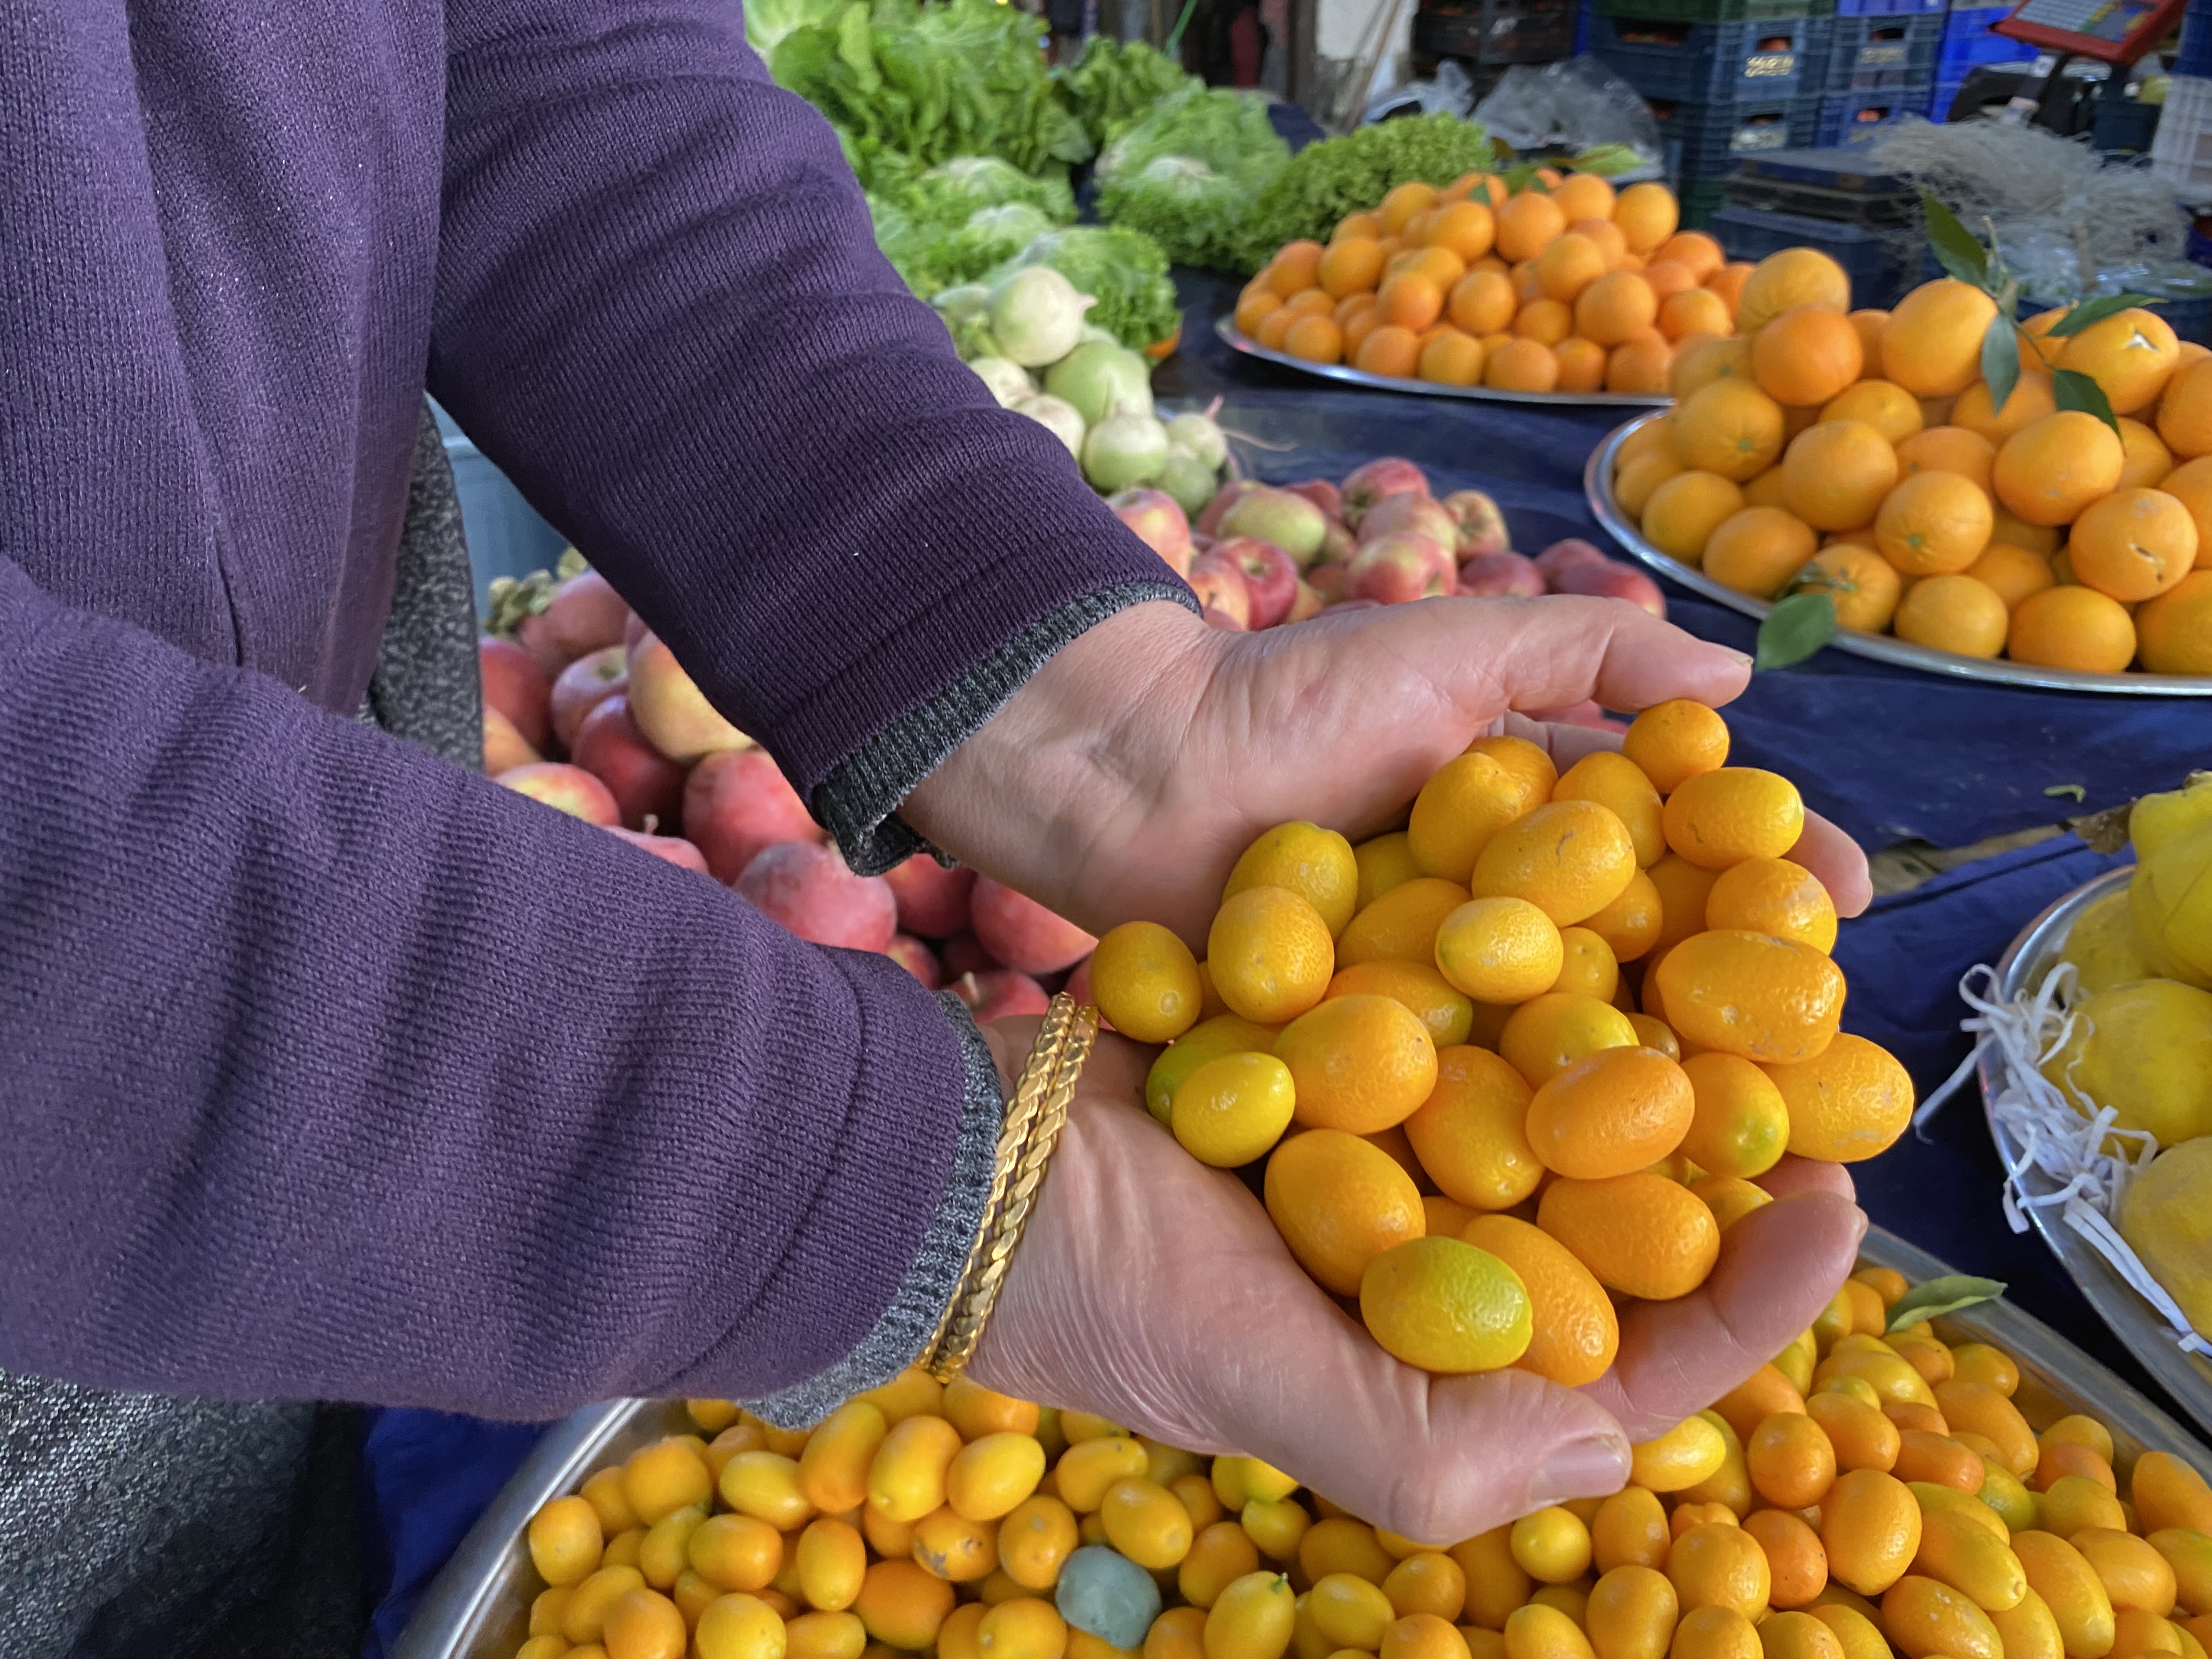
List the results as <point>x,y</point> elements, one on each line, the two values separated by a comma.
<point>856,802</point>
<point>930,1282</point>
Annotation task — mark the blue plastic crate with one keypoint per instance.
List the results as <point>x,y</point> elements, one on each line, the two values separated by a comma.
<point>1967,43</point>
<point>1703,140</point>
<point>1713,63</point>
<point>1886,8</point>
<point>1854,117</point>
<point>1879,54</point>
<point>1871,259</point>
<point>2194,55</point>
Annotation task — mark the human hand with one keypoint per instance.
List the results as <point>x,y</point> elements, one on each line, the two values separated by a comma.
<point>1156,1291</point>
<point>1125,778</point>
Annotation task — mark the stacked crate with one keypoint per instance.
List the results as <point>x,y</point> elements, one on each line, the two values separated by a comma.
<point>1881,67</point>
<point>1835,200</point>
<point>1726,78</point>
<point>1968,46</point>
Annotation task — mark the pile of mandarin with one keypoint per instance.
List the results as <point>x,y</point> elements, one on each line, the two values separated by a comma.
<point>1862,1496</point>
<point>1857,454</point>
<point>1529,1050</point>
<point>1563,286</point>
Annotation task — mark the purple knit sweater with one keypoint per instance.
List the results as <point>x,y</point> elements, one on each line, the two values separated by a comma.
<point>326,1070</point>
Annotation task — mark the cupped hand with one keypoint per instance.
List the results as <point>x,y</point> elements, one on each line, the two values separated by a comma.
<point>1125,777</point>
<point>1156,1291</point>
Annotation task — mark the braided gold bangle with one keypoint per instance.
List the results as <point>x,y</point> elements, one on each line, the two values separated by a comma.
<point>1034,1119</point>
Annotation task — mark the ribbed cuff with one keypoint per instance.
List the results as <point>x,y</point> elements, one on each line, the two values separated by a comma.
<point>856,802</point>
<point>934,1275</point>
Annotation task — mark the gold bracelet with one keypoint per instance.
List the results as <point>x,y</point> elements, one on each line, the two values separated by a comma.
<point>1034,1118</point>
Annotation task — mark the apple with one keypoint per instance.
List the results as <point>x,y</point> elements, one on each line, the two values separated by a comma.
<point>1368,484</point>
<point>933,901</point>
<point>1332,581</point>
<point>1308,603</point>
<point>1270,578</point>
<point>1501,575</point>
<point>911,954</point>
<point>633,630</point>
<point>1000,993</point>
<point>1323,495</point>
<point>646,784</point>
<point>808,888</point>
<point>1291,522</point>
<point>1614,580</point>
<point>964,953</point>
<point>1220,587</point>
<point>1562,557</point>
<point>736,803</point>
<point>515,685</point>
<point>1337,547</point>
<point>583,685</point>
<point>1481,525</point>
<point>1155,519</point>
<point>1022,933</point>
<point>1209,518</point>
<point>564,789</point>
<point>672,712</point>
<point>1202,544</point>
<point>1406,511</point>
<point>504,748</point>
<point>674,848</point>
<point>1397,569</point>
<point>582,614</point>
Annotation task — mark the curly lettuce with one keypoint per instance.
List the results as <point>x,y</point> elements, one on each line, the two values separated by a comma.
<point>1186,174</point>
<point>1325,181</point>
<point>1113,86</point>
<point>1124,270</point>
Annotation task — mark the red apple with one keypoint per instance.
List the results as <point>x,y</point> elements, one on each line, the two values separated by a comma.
<point>1022,933</point>
<point>964,953</point>
<point>1000,993</point>
<point>1202,544</point>
<point>1332,581</point>
<point>1308,603</point>
<point>674,848</point>
<point>1291,522</point>
<point>917,958</point>
<point>1501,575</point>
<point>1406,511</point>
<point>1158,521</point>
<point>1564,555</point>
<point>1614,580</point>
<point>583,685</point>
<point>1369,483</point>
<point>738,802</point>
<point>933,901</point>
<point>515,685</point>
<point>582,614</point>
<point>1396,569</point>
<point>1337,547</point>
<point>1270,577</point>
<point>673,713</point>
<point>808,889</point>
<point>1481,525</point>
<point>633,630</point>
<point>1209,516</point>
<point>1220,586</point>
<point>504,748</point>
<point>567,789</point>
<point>1323,495</point>
<point>646,784</point>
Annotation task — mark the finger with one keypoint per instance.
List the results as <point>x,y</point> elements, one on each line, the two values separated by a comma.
<point>1779,1268</point>
<point>1565,744</point>
<point>1809,1175</point>
<point>1835,858</point>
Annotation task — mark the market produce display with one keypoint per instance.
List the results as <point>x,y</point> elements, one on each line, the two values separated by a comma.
<point>1444,1010</point>
<point>1858,466</point>
<point>1561,286</point>
<point>1188,172</point>
<point>1876,1490</point>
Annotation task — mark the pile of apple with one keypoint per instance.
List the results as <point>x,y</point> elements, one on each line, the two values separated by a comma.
<point>649,760</point>
<point>1259,554</point>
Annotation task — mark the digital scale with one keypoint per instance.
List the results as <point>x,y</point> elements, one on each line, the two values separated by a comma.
<point>2115,32</point>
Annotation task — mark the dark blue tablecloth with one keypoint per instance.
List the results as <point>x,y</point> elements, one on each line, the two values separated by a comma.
<point>1886,753</point>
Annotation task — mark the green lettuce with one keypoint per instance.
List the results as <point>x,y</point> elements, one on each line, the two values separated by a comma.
<point>1325,181</point>
<point>1113,86</point>
<point>933,257</point>
<point>949,192</point>
<point>1187,174</point>
<point>1125,271</point>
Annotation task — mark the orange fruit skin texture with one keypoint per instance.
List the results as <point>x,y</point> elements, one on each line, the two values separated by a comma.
<point>1765,999</point>
<point>1576,1332</point>
<point>1639,1234</point>
<point>1610,1112</point>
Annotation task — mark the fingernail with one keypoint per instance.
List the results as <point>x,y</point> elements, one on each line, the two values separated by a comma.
<point>1596,1467</point>
<point>1743,657</point>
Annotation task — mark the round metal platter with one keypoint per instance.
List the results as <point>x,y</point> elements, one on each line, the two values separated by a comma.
<point>1597,485</point>
<point>1236,340</point>
<point>478,1607</point>
<point>2186,1376</point>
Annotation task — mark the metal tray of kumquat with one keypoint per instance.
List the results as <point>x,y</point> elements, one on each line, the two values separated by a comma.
<point>1344,374</point>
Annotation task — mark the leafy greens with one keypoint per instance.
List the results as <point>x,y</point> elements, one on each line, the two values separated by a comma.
<point>1188,173</point>
<point>1112,85</point>
<point>1325,181</point>
<point>1125,271</point>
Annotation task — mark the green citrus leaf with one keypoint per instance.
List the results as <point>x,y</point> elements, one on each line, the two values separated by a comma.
<point>1934,1298</point>
<point>2075,389</point>
<point>1955,246</point>
<point>2090,312</point>
<point>2000,359</point>
<point>1796,627</point>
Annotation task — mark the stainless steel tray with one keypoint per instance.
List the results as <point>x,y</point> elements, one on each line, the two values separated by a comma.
<point>2186,1376</point>
<point>1597,485</point>
<point>479,1606</point>
<point>1236,341</point>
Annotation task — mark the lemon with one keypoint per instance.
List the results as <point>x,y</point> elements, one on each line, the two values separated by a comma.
<point>2144,1050</point>
<point>2166,1218</point>
<point>1445,1306</point>
<point>2101,946</point>
<point>2171,893</point>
